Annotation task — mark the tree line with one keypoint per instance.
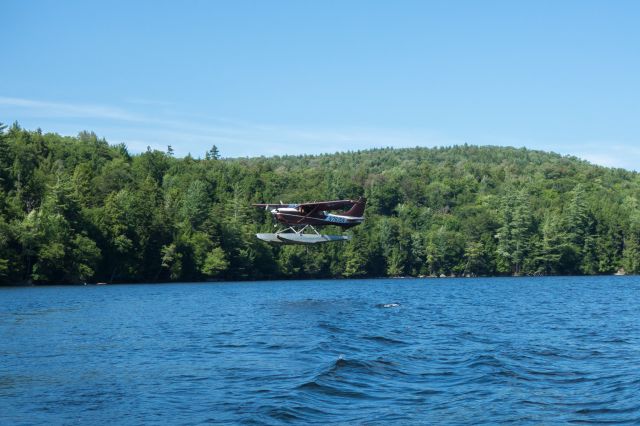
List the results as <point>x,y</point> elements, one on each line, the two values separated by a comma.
<point>77,209</point>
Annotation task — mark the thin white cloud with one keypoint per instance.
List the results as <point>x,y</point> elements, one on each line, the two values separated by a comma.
<point>236,133</point>
<point>602,159</point>
<point>611,154</point>
<point>148,102</point>
<point>58,109</point>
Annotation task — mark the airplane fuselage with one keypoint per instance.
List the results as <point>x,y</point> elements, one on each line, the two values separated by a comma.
<point>291,216</point>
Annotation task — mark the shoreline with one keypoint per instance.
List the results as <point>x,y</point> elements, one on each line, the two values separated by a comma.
<point>407,277</point>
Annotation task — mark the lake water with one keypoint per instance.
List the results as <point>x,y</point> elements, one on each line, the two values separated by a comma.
<point>404,351</point>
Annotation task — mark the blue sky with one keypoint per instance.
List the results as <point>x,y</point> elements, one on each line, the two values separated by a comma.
<point>273,77</point>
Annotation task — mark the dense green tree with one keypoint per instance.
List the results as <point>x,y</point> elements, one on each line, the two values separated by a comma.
<point>5,160</point>
<point>549,249</point>
<point>514,234</point>
<point>172,261</point>
<point>474,255</point>
<point>76,209</point>
<point>215,263</point>
<point>631,249</point>
<point>355,261</point>
<point>213,153</point>
<point>86,256</point>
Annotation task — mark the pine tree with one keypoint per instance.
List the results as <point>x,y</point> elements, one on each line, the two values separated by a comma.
<point>515,232</point>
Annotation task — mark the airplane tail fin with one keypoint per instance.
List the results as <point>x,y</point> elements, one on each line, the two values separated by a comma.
<point>358,208</point>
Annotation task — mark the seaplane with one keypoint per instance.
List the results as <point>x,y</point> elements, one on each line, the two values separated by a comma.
<point>301,220</point>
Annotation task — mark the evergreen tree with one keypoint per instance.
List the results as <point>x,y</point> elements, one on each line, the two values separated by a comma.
<point>513,236</point>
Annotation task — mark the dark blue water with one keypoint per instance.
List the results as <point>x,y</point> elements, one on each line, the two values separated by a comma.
<point>526,350</point>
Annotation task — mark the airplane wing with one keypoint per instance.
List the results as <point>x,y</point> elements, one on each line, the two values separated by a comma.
<point>312,207</point>
<point>325,205</point>
<point>275,206</point>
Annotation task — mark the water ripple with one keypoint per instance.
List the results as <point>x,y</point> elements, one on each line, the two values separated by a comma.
<point>532,351</point>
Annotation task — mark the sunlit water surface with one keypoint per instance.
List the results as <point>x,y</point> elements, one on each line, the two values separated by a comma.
<point>405,351</point>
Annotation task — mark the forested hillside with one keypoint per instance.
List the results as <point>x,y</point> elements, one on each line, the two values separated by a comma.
<point>76,209</point>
